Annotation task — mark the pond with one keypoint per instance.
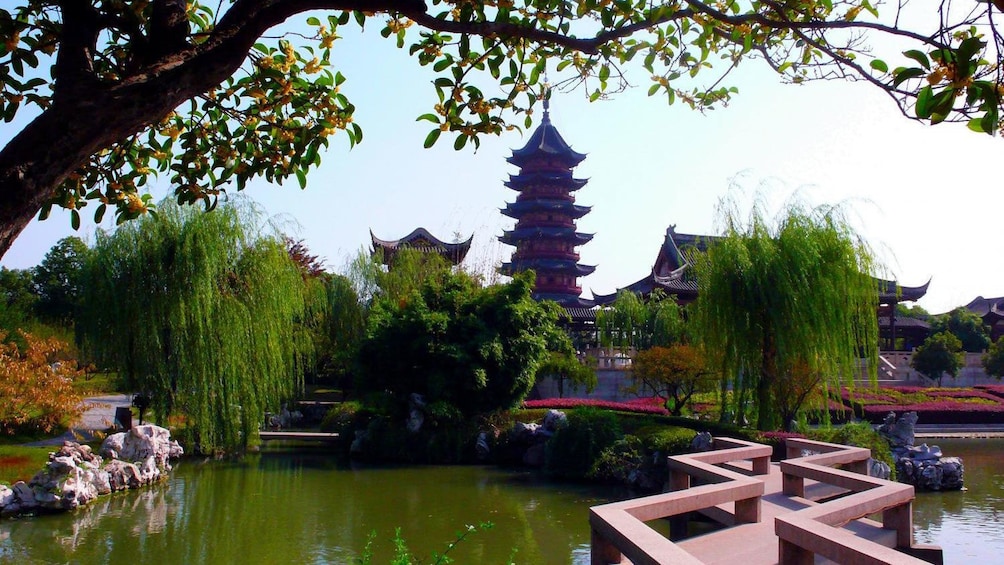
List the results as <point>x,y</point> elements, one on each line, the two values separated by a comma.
<point>300,507</point>
<point>966,524</point>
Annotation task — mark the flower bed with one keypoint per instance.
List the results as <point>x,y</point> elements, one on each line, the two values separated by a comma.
<point>648,405</point>
<point>996,390</point>
<point>933,405</point>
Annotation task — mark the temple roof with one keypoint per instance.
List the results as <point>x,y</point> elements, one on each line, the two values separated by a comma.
<point>519,182</point>
<point>422,240</point>
<point>546,141</point>
<point>672,274</point>
<point>520,207</point>
<point>564,266</point>
<point>569,301</point>
<point>511,236</point>
<point>990,309</point>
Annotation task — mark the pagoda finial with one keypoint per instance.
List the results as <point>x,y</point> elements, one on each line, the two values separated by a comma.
<point>546,90</point>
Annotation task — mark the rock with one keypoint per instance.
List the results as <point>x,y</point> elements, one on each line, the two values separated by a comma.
<point>878,469</point>
<point>25,495</point>
<point>141,442</point>
<point>481,448</point>
<point>122,475</point>
<point>534,456</point>
<point>416,413</point>
<point>553,420</point>
<point>702,442</point>
<point>899,432</point>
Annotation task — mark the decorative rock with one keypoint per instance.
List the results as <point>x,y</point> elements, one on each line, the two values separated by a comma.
<point>878,469</point>
<point>481,448</point>
<point>553,420</point>
<point>702,442</point>
<point>416,413</point>
<point>899,433</point>
<point>74,475</point>
<point>921,466</point>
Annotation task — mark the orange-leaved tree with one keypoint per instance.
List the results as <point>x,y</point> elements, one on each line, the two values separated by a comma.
<point>673,373</point>
<point>36,394</point>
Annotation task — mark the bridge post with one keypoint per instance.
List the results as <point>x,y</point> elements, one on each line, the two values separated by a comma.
<point>791,554</point>
<point>601,551</point>
<point>900,518</point>
<point>748,511</point>
<point>792,485</point>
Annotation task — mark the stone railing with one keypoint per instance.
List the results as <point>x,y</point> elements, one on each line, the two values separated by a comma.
<point>619,530</point>
<point>817,529</point>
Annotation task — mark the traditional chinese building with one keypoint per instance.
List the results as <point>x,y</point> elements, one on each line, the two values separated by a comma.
<point>672,273</point>
<point>545,234</point>
<point>991,311</point>
<point>421,240</point>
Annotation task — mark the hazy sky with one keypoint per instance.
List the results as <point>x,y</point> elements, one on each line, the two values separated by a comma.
<point>927,198</point>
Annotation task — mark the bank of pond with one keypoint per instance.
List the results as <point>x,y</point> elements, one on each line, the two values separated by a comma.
<point>302,505</point>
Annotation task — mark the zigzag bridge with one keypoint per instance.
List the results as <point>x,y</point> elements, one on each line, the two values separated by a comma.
<point>800,511</point>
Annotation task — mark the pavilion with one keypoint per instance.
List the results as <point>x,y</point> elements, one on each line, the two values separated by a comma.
<point>421,240</point>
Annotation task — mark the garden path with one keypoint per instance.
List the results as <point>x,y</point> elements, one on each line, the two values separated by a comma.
<point>98,415</point>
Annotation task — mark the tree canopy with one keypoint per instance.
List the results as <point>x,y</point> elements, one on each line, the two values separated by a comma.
<point>111,94</point>
<point>466,347</point>
<point>939,354</point>
<point>198,312</point>
<point>964,324</point>
<point>773,299</point>
<point>993,359</point>
<point>633,322</point>
<point>57,279</point>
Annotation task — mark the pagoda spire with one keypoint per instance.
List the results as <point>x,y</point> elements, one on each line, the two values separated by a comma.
<point>545,211</point>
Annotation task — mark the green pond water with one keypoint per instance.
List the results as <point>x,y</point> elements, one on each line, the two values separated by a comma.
<point>300,507</point>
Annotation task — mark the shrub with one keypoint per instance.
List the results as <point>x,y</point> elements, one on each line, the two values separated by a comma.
<point>620,462</point>
<point>340,417</point>
<point>575,448</point>
<point>36,394</point>
<point>858,434</point>
<point>666,440</point>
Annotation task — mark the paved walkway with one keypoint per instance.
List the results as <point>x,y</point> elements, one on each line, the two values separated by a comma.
<point>98,415</point>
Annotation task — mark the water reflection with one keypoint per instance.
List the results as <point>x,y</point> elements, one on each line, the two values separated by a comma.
<point>301,507</point>
<point>966,524</point>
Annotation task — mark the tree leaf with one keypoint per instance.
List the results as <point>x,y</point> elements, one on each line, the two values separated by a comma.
<point>879,65</point>
<point>918,56</point>
<point>430,139</point>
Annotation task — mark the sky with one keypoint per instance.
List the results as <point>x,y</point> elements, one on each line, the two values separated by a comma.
<point>925,197</point>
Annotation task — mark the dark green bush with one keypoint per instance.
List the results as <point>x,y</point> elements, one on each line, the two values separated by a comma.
<point>619,462</point>
<point>340,417</point>
<point>858,434</point>
<point>575,448</point>
<point>666,440</point>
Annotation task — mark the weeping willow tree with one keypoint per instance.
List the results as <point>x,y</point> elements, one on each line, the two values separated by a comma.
<point>776,300</point>
<point>199,312</point>
<point>632,322</point>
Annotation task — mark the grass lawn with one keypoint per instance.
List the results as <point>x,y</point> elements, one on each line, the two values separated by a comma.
<point>96,384</point>
<point>20,463</point>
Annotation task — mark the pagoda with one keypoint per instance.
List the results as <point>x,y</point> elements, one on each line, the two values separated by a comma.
<point>545,214</point>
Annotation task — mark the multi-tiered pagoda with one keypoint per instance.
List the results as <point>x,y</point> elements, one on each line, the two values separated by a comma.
<point>545,214</point>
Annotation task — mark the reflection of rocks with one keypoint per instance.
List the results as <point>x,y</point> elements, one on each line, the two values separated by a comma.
<point>75,476</point>
<point>526,441</point>
<point>921,466</point>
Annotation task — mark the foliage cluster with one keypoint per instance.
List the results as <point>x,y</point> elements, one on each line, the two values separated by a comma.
<point>565,366</point>
<point>477,349</point>
<point>576,447</point>
<point>634,323</point>
<point>36,393</point>
<point>231,108</point>
<point>993,360</point>
<point>972,333</point>
<point>199,312</point>
<point>673,373</point>
<point>858,435</point>
<point>940,353</point>
<point>776,301</point>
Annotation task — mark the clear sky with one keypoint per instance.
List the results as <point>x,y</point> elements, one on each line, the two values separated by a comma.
<point>927,198</point>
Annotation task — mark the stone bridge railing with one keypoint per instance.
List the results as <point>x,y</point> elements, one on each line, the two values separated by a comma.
<point>619,530</point>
